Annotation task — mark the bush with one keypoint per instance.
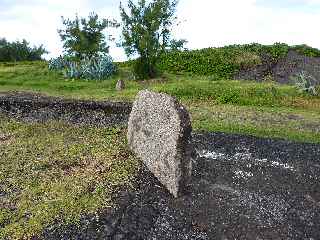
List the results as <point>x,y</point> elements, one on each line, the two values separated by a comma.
<point>96,67</point>
<point>58,63</point>
<point>143,70</point>
<point>20,51</point>
<point>224,62</point>
<point>307,51</point>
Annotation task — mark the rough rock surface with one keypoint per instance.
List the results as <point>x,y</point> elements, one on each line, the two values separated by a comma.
<point>159,132</point>
<point>38,108</point>
<point>242,187</point>
<point>120,85</point>
<point>284,69</point>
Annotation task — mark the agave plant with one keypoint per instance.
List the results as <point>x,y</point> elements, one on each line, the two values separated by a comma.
<point>306,83</point>
<point>57,63</point>
<point>72,70</point>
<point>96,67</point>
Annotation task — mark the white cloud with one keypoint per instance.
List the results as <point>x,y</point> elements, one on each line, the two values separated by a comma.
<point>205,23</point>
<point>218,23</point>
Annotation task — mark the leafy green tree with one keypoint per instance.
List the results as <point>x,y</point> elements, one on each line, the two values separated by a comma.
<point>178,45</point>
<point>20,51</point>
<point>84,37</point>
<point>147,32</point>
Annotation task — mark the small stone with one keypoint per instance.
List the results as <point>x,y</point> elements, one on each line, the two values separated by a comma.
<point>159,132</point>
<point>120,85</point>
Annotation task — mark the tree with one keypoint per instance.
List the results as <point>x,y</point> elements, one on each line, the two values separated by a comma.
<point>147,32</point>
<point>82,37</point>
<point>20,51</point>
<point>178,45</point>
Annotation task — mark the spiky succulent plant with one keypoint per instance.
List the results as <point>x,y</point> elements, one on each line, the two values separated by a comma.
<point>96,67</point>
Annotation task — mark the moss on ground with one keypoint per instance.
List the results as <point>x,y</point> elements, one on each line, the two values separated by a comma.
<point>56,172</point>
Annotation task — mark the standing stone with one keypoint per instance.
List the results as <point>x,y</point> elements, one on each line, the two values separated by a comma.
<point>159,132</point>
<point>120,85</point>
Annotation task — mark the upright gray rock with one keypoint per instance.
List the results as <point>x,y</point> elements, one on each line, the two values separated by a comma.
<point>120,85</point>
<point>159,132</point>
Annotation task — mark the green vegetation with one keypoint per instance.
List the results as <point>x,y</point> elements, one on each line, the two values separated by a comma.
<point>200,93</point>
<point>146,32</point>
<point>85,37</point>
<point>86,50</point>
<point>20,51</point>
<point>224,62</point>
<point>280,122</point>
<point>306,83</point>
<point>35,76</point>
<point>94,67</point>
<point>54,171</point>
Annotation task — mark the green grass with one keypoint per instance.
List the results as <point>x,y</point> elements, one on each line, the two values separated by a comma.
<point>285,123</point>
<point>37,78</point>
<point>229,98</point>
<point>233,92</point>
<point>54,171</point>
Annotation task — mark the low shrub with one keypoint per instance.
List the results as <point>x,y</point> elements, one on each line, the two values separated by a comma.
<point>306,50</point>
<point>224,62</point>
<point>96,67</point>
<point>58,63</point>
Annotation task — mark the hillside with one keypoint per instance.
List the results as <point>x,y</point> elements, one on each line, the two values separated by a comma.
<point>279,62</point>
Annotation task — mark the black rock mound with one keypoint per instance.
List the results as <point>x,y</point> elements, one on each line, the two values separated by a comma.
<point>283,69</point>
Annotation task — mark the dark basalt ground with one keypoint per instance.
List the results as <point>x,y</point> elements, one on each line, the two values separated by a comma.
<point>242,188</point>
<point>284,69</point>
<point>38,108</point>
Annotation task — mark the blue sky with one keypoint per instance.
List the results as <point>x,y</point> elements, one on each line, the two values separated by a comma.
<point>204,23</point>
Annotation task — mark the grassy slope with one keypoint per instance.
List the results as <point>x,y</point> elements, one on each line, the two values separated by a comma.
<point>54,171</point>
<point>224,105</point>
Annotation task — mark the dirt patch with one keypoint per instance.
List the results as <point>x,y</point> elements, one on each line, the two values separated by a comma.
<point>284,69</point>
